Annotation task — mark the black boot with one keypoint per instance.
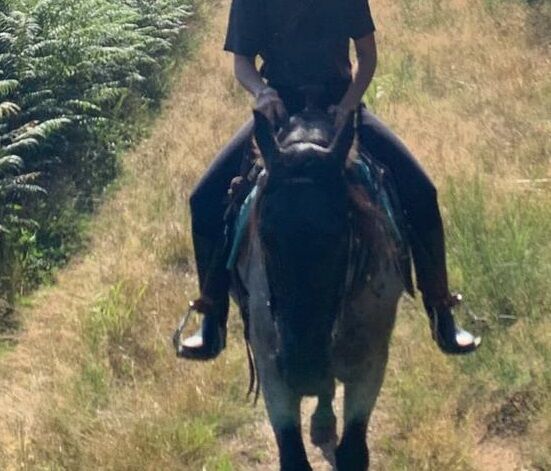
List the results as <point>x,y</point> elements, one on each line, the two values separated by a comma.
<point>429,255</point>
<point>210,339</point>
<point>450,338</point>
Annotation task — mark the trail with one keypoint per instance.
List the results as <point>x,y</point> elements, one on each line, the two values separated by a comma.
<point>321,459</point>
<point>201,112</point>
<point>205,107</point>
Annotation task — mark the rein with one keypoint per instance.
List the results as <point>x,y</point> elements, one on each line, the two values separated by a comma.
<point>297,181</point>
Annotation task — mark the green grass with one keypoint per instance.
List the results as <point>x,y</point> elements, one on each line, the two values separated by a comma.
<point>92,387</point>
<point>500,252</point>
<point>109,323</point>
<point>5,347</point>
<point>500,249</point>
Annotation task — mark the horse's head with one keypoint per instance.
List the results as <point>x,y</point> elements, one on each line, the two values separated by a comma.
<point>303,228</point>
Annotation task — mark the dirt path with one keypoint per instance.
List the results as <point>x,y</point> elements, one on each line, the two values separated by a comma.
<point>201,112</point>
<point>321,459</point>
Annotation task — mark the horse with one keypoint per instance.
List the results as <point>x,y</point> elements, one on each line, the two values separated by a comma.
<point>309,324</point>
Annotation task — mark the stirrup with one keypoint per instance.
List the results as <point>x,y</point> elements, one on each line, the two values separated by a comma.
<point>450,338</point>
<point>197,348</point>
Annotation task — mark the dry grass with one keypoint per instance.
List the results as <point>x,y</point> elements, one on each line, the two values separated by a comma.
<point>93,383</point>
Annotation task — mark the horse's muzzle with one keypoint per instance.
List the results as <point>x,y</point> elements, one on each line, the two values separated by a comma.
<point>303,359</point>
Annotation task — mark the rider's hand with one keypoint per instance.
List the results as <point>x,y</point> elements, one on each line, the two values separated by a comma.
<point>270,105</point>
<point>340,115</point>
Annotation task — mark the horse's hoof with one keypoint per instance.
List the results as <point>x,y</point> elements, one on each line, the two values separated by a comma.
<point>352,458</point>
<point>322,434</point>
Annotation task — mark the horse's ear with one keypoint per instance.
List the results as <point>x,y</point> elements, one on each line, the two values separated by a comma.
<point>344,137</point>
<point>264,134</point>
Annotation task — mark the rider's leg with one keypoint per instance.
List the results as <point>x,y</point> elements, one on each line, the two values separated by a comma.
<point>208,204</point>
<point>419,200</point>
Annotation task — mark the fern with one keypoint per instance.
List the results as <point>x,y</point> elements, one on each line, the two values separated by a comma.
<point>43,130</point>
<point>72,72</point>
<point>10,163</point>
<point>7,86</point>
<point>8,108</point>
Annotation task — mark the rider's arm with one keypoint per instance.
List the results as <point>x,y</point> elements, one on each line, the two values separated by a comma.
<point>245,38</point>
<point>247,74</point>
<point>361,29</point>
<point>267,99</point>
<point>366,53</point>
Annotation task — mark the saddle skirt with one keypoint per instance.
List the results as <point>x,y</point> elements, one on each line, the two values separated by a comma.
<point>377,184</point>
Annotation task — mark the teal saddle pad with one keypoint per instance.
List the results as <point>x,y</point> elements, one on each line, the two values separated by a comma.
<point>240,226</point>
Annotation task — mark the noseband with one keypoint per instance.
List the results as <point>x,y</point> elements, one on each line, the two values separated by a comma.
<point>296,181</point>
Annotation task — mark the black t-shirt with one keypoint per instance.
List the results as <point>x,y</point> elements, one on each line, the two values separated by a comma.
<point>314,51</point>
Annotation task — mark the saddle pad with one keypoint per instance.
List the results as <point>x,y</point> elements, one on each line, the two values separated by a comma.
<point>379,188</point>
<point>239,227</point>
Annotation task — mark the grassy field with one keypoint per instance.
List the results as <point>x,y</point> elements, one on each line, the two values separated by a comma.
<point>91,382</point>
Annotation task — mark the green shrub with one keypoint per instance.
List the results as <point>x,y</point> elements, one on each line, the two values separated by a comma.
<point>77,80</point>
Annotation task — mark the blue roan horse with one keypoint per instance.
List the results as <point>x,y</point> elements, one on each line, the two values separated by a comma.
<point>317,313</point>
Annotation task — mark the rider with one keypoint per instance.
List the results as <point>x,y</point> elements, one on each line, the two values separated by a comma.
<point>306,43</point>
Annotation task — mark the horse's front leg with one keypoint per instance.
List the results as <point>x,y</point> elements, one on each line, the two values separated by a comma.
<point>323,426</point>
<point>292,454</point>
<point>352,454</point>
<point>284,411</point>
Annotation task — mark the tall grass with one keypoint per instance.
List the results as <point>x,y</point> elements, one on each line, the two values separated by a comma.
<point>499,248</point>
<point>447,412</point>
